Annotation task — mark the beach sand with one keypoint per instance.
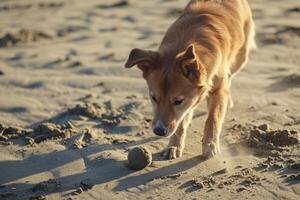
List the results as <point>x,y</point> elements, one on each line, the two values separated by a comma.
<point>70,111</point>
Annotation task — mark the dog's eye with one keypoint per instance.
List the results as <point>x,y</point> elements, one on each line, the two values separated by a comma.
<point>177,102</point>
<point>153,98</point>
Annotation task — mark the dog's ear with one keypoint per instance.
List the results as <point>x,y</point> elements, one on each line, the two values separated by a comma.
<point>147,61</point>
<point>190,65</point>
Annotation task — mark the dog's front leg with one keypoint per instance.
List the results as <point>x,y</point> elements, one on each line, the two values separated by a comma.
<point>217,106</point>
<point>177,141</point>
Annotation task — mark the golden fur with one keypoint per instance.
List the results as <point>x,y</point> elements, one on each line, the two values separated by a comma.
<point>197,59</point>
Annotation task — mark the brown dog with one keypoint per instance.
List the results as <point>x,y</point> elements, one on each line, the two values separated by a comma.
<point>197,59</point>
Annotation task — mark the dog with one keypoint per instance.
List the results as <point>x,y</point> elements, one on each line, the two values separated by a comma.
<point>198,57</point>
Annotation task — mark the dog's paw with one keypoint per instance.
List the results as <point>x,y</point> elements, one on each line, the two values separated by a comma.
<point>172,152</point>
<point>210,150</point>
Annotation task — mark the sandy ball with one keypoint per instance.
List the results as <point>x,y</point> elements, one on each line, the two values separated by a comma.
<point>139,158</point>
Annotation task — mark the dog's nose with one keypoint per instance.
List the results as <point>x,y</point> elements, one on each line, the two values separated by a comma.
<point>160,131</point>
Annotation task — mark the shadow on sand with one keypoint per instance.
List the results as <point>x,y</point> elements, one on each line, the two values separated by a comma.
<point>134,181</point>
<point>108,170</point>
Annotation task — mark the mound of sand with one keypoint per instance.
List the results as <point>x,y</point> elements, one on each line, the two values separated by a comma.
<point>273,138</point>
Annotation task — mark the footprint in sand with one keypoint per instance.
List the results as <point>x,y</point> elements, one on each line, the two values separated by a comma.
<point>293,10</point>
<point>281,36</point>
<point>174,12</point>
<point>22,37</point>
<point>19,7</point>
<point>285,83</point>
<point>119,4</point>
<point>70,29</point>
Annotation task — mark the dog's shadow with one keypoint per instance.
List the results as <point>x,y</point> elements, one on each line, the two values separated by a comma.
<point>97,171</point>
<point>110,170</point>
<point>178,167</point>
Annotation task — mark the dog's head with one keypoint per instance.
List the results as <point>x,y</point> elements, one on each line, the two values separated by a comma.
<point>176,84</point>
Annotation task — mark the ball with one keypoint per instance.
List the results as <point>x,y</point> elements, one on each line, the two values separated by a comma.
<point>139,158</point>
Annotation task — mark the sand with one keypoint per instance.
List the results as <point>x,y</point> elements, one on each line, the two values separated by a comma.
<point>70,111</point>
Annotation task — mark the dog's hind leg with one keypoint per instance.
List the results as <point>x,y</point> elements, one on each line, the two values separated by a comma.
<point>177,141</point>
<point>242,55</point>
